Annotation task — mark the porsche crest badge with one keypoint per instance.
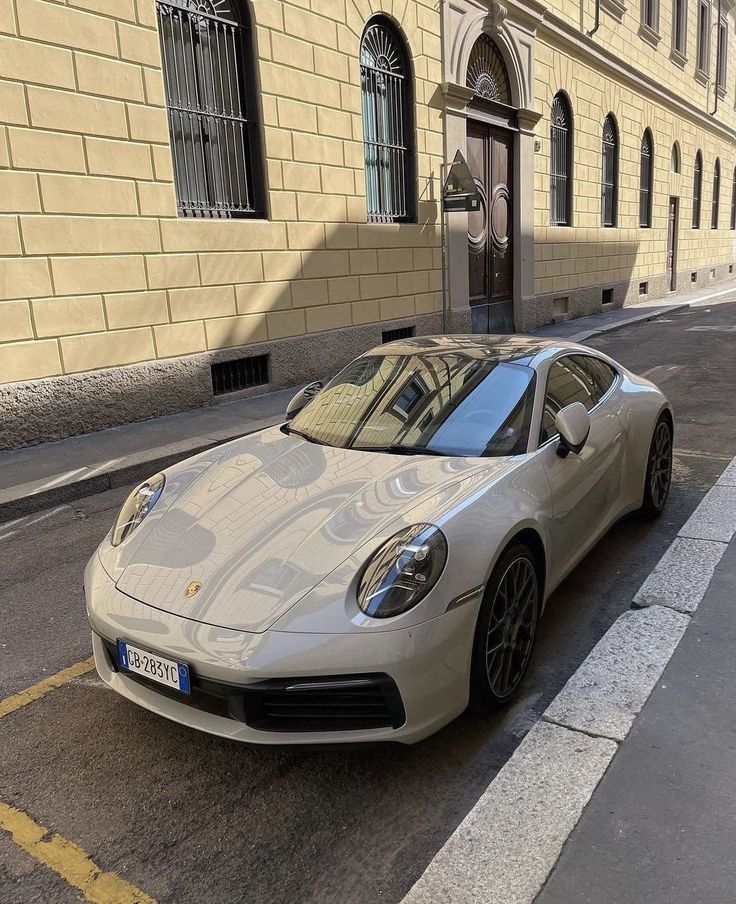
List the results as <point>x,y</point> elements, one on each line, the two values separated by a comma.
<point>192,588</point>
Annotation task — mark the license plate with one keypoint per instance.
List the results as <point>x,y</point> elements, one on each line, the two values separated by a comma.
<point>155,667</point>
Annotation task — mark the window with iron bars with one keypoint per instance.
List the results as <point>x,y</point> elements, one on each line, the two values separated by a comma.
<point>715,208</point>
<point>697,189</point>
<point>646,179</point>
<point>609,175</point>
<point>208,75</point>
<point>387,125</point>
<point>560,207</point>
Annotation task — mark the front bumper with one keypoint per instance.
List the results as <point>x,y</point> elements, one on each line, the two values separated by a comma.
<point>428,665</point>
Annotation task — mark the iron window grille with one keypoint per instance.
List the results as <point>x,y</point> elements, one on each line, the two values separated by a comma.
<point>733,201</point>
<point>207,64</point>
<point>486,73</point>
<point>646,180</point>
<point>679,25</point>
<point>387,125</point>
<point>697,189</point>
<point>609,180</point>
<point>715,209</point>
<point>560,163</point>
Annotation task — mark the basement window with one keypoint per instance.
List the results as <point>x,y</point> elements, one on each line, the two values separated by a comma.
<point>560,306</point>
<point>606,297</point>
<point>693,277</point>
<point>643,288</point>
<point>404,332</point>
<point>240,373</point>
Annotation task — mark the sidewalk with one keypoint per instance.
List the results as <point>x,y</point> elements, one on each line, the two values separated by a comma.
<point>36,477</point>
<point>661,826</point>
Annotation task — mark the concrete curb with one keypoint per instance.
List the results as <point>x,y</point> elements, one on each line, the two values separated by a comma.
<point>618,325</point>
<point>509,843</point>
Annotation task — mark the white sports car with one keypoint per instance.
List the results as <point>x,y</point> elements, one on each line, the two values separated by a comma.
<point>370,568</point>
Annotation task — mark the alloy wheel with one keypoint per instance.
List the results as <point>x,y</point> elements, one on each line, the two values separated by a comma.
<point>512,627</point>
<point>660,464</point>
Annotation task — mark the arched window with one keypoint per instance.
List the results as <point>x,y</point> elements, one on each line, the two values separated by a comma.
<point>208,73</point>
<point>715,208</point>
<point>646,179</point>
<point>560,144</point>
<point>675,159</point>
<point>388,128</point>
<point>609,173</point>
<point>733,201</point>
<point>487,72</point>
<point>697,189</point>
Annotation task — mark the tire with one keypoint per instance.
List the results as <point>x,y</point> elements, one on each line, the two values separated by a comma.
<point>512,633</point>
<point>659,470</point>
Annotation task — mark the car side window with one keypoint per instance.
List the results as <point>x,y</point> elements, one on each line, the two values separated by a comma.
<point>602,375</point>
<point>567,382</point>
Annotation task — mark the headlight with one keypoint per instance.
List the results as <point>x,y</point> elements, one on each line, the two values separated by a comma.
<point>136,507</point>
<point>402,571</point>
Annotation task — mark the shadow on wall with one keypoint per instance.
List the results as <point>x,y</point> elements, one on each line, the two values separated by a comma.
<point>321,307</point>
<point>574,278</point>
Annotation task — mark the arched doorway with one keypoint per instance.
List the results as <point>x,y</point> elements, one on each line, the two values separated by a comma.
<point>491,128</point>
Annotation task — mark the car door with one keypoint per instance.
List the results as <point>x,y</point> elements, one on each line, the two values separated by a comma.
<point>584,487</point>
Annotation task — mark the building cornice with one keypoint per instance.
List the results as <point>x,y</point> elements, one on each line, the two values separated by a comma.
<point>586,49</point>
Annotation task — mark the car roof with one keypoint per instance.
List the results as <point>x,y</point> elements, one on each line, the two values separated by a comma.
<point>518,348</point>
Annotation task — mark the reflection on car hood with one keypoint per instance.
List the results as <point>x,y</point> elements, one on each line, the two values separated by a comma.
<point>276,514</point>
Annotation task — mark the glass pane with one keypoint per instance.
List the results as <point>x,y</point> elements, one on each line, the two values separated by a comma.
<point>453,403</point>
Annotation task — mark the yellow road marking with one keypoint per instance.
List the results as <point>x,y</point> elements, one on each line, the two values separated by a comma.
<point>36,691</point>
<point>69,861</point>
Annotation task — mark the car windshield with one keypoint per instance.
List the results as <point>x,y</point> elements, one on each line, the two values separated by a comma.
<point>460,403</point>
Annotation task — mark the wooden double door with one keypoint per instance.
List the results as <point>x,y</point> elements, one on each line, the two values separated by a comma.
<point>490,229</point>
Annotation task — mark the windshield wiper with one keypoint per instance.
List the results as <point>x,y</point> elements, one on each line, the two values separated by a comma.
<point>402,450</point>
<point>290,431</point>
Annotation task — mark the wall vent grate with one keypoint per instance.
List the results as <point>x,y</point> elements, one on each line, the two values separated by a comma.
<point>404,332</point>
<point>240,373</point>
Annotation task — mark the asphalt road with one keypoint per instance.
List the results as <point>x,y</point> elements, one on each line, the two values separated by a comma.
<point>189,818</point>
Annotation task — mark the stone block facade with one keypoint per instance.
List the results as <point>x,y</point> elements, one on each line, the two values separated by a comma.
<point>97,270</point>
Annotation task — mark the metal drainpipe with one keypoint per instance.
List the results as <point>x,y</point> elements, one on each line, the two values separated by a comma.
<point>718,55</point>
<point>598,18</point>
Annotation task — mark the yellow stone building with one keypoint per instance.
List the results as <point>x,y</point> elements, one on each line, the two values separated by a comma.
<point>207,196</point>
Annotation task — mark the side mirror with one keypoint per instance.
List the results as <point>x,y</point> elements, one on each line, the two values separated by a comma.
<point>573,425</point>
<point>302,398</point>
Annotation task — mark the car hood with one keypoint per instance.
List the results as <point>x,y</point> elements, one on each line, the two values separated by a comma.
<point>264,524</point>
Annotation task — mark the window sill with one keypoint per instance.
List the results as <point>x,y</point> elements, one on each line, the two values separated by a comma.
<point>721,90</point>
<point>678,58</point>
<point>702,76</point>
<point>615,8</point>
<point>649,34</point>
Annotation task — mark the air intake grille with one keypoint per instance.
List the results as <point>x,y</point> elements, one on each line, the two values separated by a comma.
<point>404,332</point>
<point>242,373</point>
<point>325,704</point>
